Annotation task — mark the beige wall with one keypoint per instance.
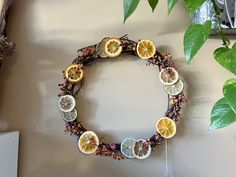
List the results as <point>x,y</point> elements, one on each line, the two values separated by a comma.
<point>121,98</point>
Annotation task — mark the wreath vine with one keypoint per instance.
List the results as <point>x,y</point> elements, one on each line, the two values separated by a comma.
<point>88,142</point>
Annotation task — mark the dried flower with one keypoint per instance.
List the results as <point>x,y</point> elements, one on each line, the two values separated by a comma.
<point>6,48</point>
<point>104,150</point>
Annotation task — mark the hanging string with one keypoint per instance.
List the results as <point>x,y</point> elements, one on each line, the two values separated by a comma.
<point>166,154</point>
<point>166,148</point>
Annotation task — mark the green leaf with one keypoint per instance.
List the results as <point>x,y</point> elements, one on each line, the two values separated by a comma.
<point>171,4</point>
<point>226,57</point>
<point>222,115</point>
<point>230,93</point>
<point>153,4</point>
<point>129,7</point>
<point>194,38</point>
<point>193,5</point>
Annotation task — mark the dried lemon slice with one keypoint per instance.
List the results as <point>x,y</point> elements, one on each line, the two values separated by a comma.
<point>169,76</point>
<point>174,89</point>
<point>88,142</point>
<point>126,147</point>
<point>66,103</point>
<point>74,73</point>
<point>146,49</point>
<point>113,47</point>
<point>141,149</point>
<point>166,127</point>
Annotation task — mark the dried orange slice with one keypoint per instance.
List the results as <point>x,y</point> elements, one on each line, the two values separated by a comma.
<point>169,76</point>
<point>166,127</point>
<point>146,49</point>
<point>141,149</point>
<point>113,47</point>
<point>74,73</point>
<point>88,142</point>
<point>66,103</point>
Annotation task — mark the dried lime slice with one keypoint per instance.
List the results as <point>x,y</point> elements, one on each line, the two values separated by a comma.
<point>70,116</point>
<point>174,89</point>
<point>100,48</point>
<point>127,147</point>
<point>66,103</point>
<point>141,149</point>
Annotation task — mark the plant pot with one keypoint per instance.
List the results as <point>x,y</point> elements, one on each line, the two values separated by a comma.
<point>206,12</point>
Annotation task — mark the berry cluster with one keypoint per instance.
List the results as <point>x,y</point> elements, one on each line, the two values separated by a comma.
<point>104,150</point>
<point>74,128</point>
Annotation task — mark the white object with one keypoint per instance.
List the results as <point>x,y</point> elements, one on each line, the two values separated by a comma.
<point>9,144</point>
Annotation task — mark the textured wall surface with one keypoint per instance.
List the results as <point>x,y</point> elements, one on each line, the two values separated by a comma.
<point>121,98</point>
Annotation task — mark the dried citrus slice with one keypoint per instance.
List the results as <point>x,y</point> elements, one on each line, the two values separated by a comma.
<point>146,49</point>
<point>74,73</point>
<point>70,116</point>
<point>100,48</point>
<point>166,127</point>
<point>88,142</point>
<point>174,89</point>
<point>141,149</point>
<point>66,103</point>
<point>113,47</point>
<point>127,147</point>
<point>169,76</point>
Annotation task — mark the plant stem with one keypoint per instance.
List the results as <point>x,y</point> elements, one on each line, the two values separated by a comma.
<point>226,41</point>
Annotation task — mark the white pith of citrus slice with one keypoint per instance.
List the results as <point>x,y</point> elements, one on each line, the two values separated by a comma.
<point>169,76</point>
<point>70,116</point>
<point>145,49</point>
<point>141,149</point>
<point>127,147</point>
<point>74,73</point>
<point>66,103</point>
<point>100,48</point>
<point>88,142</point>
<point>174,89</point>
<point>113,47</point>
<point>166,127</point>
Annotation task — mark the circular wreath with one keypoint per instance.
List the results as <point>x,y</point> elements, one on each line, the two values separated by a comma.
<point>88,141</point>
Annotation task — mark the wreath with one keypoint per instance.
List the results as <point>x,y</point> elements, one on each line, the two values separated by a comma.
<point>88,141</point>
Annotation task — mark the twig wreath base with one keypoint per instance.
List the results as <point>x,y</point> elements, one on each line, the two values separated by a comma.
<point>74,80</point>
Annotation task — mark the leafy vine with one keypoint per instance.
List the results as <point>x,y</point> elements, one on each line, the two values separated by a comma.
<point>224,111</point>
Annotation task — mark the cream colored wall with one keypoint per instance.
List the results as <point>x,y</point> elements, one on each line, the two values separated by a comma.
<point>121,98</point>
